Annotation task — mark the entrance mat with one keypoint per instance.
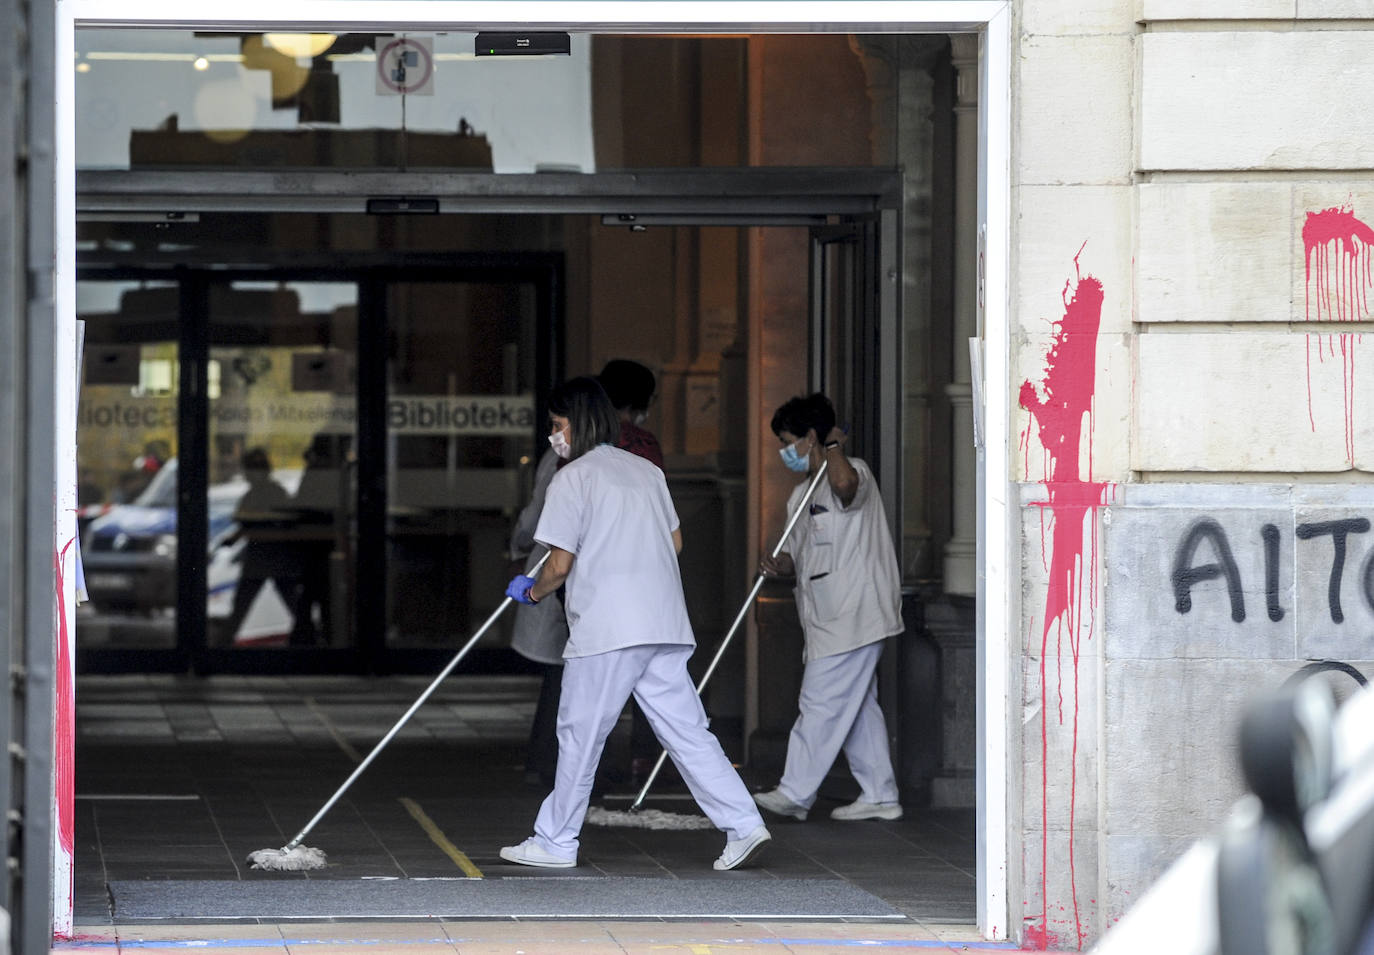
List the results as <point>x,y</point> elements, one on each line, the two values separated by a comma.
<point>592,897</point>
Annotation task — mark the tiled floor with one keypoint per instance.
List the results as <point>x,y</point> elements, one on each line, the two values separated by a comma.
<point>180,778</point>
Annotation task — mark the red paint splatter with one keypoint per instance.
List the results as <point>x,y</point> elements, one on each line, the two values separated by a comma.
<point>1338,273</point>
<point>1064,419</point>
<point>64,741</point>
<point>1039,938</point>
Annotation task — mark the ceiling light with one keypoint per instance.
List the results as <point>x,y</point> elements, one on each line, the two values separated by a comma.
<point>201,63</point>
<point>300,44</point>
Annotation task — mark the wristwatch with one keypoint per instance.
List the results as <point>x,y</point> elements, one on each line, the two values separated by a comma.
<point>831,445</point>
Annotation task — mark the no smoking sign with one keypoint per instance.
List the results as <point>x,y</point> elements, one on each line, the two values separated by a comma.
<point>406,65</point>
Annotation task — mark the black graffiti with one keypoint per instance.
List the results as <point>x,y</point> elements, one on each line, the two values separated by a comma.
<point>1270,534</point>
<point>1367,579</point>
<point>1185,573</point>
<point>1325,666</point>
<point>1338,531</point>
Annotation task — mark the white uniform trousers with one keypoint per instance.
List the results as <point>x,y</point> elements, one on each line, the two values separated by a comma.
<point>839,711</point>
<point>595,689</point>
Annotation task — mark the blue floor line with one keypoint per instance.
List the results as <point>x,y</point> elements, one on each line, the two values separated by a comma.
<point>77,945</point>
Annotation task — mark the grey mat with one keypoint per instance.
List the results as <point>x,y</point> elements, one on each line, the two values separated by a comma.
<point>561,897</point>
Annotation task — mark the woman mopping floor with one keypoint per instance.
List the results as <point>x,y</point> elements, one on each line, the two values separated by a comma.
<point>613,539</point>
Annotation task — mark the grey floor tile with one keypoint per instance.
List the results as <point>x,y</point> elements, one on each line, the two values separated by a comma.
<point>260,753</point>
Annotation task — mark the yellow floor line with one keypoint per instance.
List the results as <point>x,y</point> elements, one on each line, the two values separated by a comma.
<point>439,839</point>
<point>427,824</point>
<point>344,744</point>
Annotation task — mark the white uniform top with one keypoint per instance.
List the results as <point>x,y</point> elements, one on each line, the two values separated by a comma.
<point>848,584</point>
<point>612,510</point>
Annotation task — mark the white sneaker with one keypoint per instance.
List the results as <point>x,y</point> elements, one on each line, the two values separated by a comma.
<point>739,852</point>
<point>858,809</point>
<point>530,852</point>
<point>775,802</point>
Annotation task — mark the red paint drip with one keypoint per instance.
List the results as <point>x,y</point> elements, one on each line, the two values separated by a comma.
<point>1064,420</point>
<point>64,742</point>
<point>1338,272</point>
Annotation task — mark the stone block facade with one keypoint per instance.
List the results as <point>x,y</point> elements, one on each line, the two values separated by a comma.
<point>1191,284</point>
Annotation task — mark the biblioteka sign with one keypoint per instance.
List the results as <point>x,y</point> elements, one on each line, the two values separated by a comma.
<point>459,415</point>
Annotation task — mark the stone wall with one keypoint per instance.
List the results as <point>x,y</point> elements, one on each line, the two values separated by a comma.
<point>1191,284</point>
<point>1213,593</point>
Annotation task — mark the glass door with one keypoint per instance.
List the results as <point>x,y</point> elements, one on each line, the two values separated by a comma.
<point>460,415</point>
<point>127,463</point>
<point>311,470</point>
<point>280,384</point>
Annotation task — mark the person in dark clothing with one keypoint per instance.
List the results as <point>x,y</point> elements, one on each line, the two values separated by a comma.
<point>261,511</point>
<point>630,386</point>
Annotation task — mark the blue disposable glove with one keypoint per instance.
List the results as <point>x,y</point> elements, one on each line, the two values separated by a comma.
<point>519,589</point>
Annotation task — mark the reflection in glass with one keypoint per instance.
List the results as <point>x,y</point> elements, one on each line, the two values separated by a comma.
<point>126,464</point>
<point>282,426</point>
<point>460,426</point>
<point>167,97</point>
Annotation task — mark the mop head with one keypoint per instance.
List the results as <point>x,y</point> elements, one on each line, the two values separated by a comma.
<point>287,860</point>
<point>646,819</point>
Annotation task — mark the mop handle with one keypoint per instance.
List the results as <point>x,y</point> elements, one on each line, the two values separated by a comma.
<point>472,641</point>
<point>739,618</point>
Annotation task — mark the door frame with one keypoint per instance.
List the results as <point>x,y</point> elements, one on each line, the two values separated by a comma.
<point>991,19</point>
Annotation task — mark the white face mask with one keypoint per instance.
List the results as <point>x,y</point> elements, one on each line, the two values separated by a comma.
<point>561,447</point>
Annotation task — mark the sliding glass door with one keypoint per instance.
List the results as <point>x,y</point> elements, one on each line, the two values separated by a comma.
<point>307,471</point>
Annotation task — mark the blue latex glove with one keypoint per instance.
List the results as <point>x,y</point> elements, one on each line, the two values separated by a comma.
<point>519,589</point>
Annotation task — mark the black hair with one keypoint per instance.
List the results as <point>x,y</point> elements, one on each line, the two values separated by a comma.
<point>628,384</point>
<point>256,459</point>
<point>800,415</point>
<point>592,419</point>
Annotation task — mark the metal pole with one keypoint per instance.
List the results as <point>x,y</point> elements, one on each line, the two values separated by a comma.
<point>739,618</point>
<point>429,690</point>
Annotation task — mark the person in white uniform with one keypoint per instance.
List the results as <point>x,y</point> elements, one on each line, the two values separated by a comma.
<point>613,538</point>
<point>848,590</point>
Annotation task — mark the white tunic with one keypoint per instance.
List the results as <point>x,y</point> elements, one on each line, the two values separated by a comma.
<point>849,591</point>
<point>612,510</point>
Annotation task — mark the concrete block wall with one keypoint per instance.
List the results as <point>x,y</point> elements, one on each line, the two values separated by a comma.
<point>1191,287</point>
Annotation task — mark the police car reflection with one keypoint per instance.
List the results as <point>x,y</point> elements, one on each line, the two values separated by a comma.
<point>129,556</point>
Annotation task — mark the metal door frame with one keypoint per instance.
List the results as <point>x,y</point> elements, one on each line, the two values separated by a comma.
<point>706,196</point>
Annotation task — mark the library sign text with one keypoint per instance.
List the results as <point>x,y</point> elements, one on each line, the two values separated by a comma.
<point>459,415</point>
